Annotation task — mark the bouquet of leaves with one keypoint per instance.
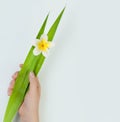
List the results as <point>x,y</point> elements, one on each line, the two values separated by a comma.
<point>33,62</point>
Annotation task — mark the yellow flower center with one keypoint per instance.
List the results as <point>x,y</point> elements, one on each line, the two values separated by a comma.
<point>43,45</point>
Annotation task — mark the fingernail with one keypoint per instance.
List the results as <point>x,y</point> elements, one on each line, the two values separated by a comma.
<point>32,74</point>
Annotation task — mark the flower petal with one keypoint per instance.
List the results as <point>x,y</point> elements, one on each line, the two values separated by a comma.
<point>52,44</point>
<point>35,42</point>
<point>36,52</point>
<point>45,54</point>
<point>44,36</point>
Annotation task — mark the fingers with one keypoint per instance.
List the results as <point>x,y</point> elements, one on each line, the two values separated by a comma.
<point>34,82</point>
<point>10,88</point>
<point>9,92</point>
<point>14,76</point>
<point>12,83</point>
<point>20,65</point>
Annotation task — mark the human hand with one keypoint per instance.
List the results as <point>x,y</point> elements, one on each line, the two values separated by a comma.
<point>29,110</point>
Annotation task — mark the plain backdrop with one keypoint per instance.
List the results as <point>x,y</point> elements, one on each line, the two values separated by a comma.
<point>81,77</point>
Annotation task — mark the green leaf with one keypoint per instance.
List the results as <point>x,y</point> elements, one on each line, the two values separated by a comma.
<point>42,28</point>
<point>32,63</point>
<point>22,81</point>
<point>54,27</point>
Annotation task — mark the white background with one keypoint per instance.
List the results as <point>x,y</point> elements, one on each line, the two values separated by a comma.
<point>81,78</point>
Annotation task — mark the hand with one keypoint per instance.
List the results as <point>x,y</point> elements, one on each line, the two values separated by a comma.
<point>29,110</point>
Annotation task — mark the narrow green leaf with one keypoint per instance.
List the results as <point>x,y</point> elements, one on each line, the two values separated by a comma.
<point>51,35</point>
<point>53,29</point>
<point>22,81</point>
<point>20,87</point>
<point>41,31</point>
<point>39,63</point>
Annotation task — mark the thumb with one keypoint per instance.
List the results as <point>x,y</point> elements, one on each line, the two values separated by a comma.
<point>34,82</point>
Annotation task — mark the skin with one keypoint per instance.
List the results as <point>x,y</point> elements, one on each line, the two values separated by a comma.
<point>29,110</point>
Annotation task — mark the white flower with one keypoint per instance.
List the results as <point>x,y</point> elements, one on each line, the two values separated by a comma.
<point>42,45</point>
